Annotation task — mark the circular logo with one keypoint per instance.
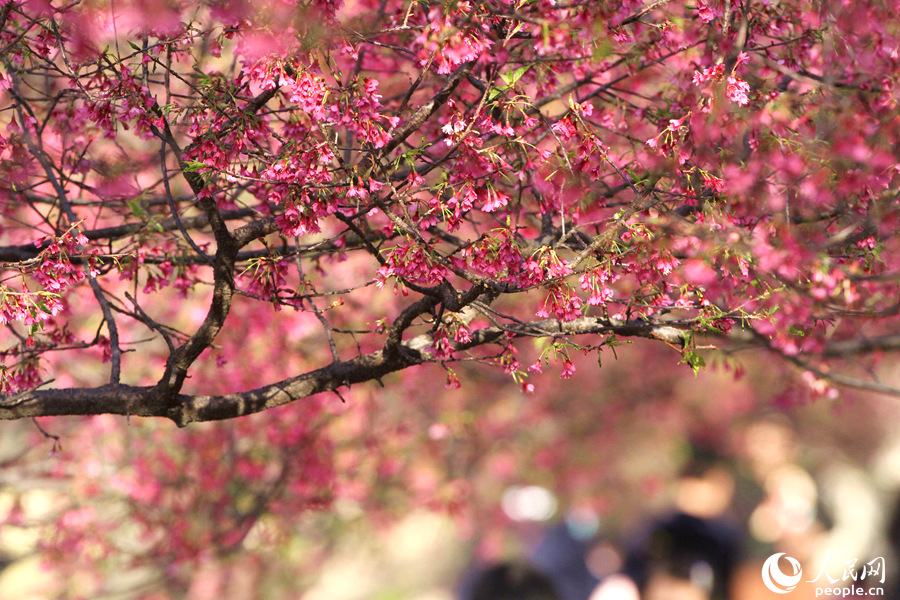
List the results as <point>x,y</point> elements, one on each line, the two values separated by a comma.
<point>778,581</point>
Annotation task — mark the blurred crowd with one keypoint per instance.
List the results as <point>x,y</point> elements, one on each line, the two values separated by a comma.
<point>714,541</point>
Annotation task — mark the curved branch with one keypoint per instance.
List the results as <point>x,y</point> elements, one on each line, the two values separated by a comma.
<point>845,348</point>
<point>150,402</point>
<point>171,202</point>
<point>35,147</point>
<point>223,276</point>
<point>843,380</point>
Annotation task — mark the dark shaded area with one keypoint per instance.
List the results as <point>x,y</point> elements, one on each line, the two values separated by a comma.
<point>704,552</point>
<point>513,581</point>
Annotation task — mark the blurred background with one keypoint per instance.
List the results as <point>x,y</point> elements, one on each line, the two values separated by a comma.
<point>634,480</point>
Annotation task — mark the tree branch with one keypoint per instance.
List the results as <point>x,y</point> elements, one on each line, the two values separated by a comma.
<point>223,286</point>
<point>636,16</point>
<point>24,252</point>
<point>863,345</point>
<point>149,402</point>
<point>428,109</point>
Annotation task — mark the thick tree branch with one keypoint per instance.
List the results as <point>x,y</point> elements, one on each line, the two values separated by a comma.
<point>862,345</point>
<point>149,402</point>
<point>223,287</point>
<point>253,231</point>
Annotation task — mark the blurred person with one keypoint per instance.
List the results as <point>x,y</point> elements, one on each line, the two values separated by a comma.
<point>691,554</point>
<point>892,583</point>
<point>562,554</point>
<point>616,587</point>
<point>685,558</point>
<point>513,581</point>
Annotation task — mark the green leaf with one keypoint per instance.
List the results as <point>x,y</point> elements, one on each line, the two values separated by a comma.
<point>136,209</point>
<point>693,359</point>
<point>510,79</point>
<point>192,166</point>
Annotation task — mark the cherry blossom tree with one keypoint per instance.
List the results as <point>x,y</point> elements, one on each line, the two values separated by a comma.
<point>433,183</point>
<point>215,209</point>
